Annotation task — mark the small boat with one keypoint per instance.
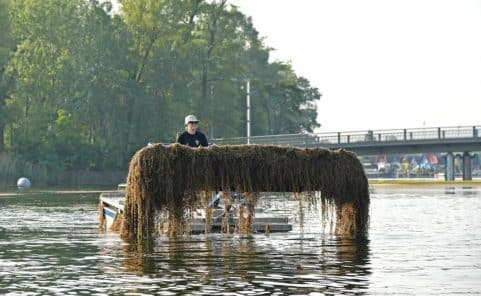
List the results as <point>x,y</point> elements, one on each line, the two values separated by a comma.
<point>112,206</point>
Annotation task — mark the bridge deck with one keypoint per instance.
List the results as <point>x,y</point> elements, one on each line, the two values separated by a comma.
<point>418,140</point>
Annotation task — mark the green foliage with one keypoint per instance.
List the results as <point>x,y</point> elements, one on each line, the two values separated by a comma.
<point>7,45</point>
<point>82,88</point>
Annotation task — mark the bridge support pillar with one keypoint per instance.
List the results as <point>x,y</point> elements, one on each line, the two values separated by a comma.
<point>449,167</point>
<point>467,171</point>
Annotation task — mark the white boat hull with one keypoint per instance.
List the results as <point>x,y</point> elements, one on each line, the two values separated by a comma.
<point>112,206</point>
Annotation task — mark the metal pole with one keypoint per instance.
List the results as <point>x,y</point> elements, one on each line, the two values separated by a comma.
<point>211,110</point>
<point>248,110</point>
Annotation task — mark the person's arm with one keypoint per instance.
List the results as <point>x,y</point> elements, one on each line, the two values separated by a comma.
<point>203,141</point>
<point>180,139</point>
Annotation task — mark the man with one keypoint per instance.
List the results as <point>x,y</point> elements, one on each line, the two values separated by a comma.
<point>192,137</point>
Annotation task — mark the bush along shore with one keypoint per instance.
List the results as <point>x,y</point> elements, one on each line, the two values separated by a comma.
<point>13,168</point>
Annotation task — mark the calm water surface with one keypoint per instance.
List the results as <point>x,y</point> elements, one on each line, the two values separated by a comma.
<point>422,241</point>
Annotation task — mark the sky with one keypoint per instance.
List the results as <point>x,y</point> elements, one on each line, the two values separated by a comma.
<point>380,64</point>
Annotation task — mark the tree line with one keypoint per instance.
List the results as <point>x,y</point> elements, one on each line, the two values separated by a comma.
<point>82,87</point>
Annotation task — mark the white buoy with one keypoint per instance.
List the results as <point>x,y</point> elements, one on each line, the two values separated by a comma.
<point>23,183</point>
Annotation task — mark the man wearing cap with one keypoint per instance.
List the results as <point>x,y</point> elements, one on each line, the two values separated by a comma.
<point>192,137</point>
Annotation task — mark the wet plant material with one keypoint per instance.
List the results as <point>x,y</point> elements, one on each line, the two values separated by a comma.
<point>170,178</point>
<point>227,201</point>
<point>101,217</point>
<point>117,223</point>
<point>246,213</point>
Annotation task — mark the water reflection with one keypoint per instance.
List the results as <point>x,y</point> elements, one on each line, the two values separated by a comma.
<point>353,256</point>
<point>136,257</point>
<point>450,190</point>
<point>257,263</point>
<point>469,191</point>
<point>304,261</point>
<point>419,238</point>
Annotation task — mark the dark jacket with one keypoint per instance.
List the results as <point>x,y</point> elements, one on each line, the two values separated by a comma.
<point>195,140</point>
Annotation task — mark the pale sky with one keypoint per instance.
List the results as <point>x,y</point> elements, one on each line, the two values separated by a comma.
<point>380,64</point>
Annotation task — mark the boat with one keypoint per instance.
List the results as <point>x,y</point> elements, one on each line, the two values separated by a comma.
<point>112,207</point>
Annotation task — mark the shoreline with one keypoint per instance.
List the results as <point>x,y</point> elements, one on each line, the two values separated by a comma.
<point>75,190</point>
<point>4,192</point>
<point>402,182</point>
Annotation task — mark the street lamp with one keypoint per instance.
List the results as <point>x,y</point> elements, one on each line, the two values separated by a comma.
<point>248,104</point>
<point>248,109</point>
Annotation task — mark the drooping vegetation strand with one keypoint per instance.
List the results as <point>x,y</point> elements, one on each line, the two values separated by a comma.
<point>83,87</point>
<point>167,179</point>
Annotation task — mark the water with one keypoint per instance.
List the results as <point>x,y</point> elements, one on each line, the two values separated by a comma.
<point>422,241</point>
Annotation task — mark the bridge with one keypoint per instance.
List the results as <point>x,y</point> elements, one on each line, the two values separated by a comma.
<point>459,141</point>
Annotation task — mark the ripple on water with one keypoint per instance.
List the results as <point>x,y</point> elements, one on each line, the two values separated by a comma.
<point>420,242</point>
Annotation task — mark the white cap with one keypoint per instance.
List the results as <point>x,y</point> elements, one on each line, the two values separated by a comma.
<point>190,118</point>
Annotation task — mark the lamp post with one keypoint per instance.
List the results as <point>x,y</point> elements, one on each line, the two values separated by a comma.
<point>211,109</point>
<point>248,105</point>
<point>248,110</point>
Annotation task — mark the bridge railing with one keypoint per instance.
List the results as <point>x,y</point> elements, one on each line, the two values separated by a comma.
<point>358,137</point>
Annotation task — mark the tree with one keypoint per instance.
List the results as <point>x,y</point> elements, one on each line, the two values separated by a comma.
<point>66,61</point>
<point>7,46</point>
<point>82,88</point>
